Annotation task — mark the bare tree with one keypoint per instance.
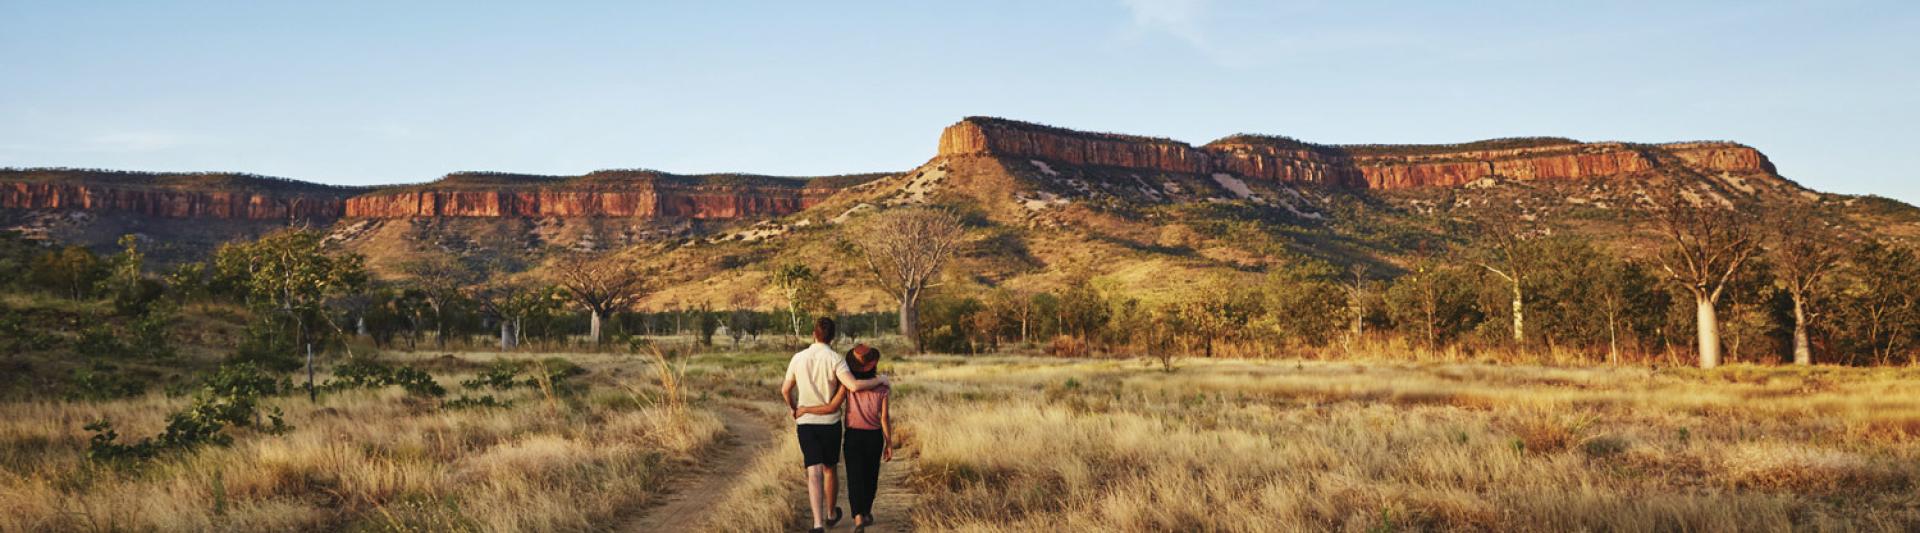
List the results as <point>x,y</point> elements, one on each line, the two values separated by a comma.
<point>1507,231</point>
<point>1706,245</point>
<point>904,250</point>
<point>1803,253</point>
<point>1359,293</point>
<point>602,284</point>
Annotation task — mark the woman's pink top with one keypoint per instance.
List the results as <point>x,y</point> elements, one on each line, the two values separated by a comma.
<point>863,407</point>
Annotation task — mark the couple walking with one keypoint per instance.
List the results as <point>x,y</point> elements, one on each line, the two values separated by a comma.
<point>819,382</point>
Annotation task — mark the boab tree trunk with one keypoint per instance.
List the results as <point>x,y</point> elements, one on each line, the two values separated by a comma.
<point>904,250</point>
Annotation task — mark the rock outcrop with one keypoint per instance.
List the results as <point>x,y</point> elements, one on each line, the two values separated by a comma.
<point>625,194</point>
<point>172,203</point>
<point>1381,167</point>
<point>652,203</point>
<point>1008,138</point>
<point>613,194</point>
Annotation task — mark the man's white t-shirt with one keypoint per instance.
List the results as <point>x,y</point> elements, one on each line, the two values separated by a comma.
<point>816,375</point>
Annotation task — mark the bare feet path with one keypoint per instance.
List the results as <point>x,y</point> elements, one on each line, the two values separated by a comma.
<point>690,494</point>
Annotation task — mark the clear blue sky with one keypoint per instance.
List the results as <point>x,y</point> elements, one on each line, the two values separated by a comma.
<point>357,93</point>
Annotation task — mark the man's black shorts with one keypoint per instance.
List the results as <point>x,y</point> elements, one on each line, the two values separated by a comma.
<point>820,443</point>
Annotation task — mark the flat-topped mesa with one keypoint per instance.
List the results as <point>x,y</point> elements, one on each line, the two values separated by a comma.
<point>180,196</point>
<point>1379,167</point>
<point>1009,138</point>
<point>611,194</point>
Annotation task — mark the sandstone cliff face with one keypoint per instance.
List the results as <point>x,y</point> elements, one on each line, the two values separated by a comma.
<point>170,203</point>
<point>611,194</point>
<point>1013,139</point>
<point>640,201</point>
<point>1380,168</point>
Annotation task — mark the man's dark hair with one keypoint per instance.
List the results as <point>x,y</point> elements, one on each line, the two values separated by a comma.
<point>823,330</point>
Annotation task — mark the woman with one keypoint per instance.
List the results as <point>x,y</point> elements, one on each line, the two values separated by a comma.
<point>869,434</point>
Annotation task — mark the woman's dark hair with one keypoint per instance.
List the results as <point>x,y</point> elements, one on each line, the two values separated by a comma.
<point>823,330</point>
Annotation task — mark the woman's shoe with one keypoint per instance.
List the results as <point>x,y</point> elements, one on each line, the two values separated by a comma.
<point>817,530</point>
<point>835,518</point>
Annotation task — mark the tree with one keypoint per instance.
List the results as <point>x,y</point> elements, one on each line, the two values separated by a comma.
<point>1706,246</point>
<point>72,270</point>
<point>291,274</point>
<point>804,294</point>
<point>1432,300</point>
<point>1303,305</point>
<point>443,282</point>
<point>1216,312</point>
<point>511,302</point>
<point>1881,303</point>
<point>603,285</point>
<point>1508,233</point>
<point>1803,253</point>
<point>904,250</point>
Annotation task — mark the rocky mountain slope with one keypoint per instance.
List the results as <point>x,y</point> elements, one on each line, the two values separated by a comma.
<point>1047,206</point>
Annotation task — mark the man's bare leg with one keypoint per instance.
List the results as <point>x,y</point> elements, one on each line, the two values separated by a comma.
<point>832,485</point>
<point>814,495</point>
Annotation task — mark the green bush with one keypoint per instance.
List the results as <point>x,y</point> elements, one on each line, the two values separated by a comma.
<point>228,398</point>
<point>102,381</point>
<point>369,374</point>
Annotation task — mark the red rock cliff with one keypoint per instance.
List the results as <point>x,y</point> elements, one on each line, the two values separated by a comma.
<point>639,200</point>
<point>1008,138</point>
<point>1373,167</point>
<point>169,203</point>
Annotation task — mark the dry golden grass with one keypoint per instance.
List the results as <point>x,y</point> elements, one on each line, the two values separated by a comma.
<point>1022,445</point>
<point>372,460</point>
<point>1018,444</point>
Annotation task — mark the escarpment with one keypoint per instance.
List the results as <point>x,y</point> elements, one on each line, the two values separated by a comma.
<point>1377,167</point>
<point>622,194</point>
<point>646,194</point>
<point>180,196</point>
<point>613,194</point>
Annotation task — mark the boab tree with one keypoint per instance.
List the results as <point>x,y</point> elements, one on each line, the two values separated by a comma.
<point>1706,245</point>
<point>602,284</point>
<point>1803,252</point>
<point>904,250</point>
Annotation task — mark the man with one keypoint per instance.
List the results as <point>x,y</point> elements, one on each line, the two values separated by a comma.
<point>812,376</point>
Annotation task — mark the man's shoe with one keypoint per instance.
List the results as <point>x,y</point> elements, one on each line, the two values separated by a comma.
<point>835,518</point>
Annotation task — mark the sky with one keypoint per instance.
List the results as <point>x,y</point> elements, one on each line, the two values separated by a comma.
<point>351,92</point>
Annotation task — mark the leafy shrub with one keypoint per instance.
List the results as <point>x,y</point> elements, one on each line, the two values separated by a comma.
<point>101,341</point>
<point>498,376</point>
<point>151,336</point>
<point>505,375</point>
<point>245,379</point>
<point>368,374</point>
<point>270,345</point>
<point>138,297</point>
<point>17,334</point>
<point>101,381</point>
<point>229,398</point>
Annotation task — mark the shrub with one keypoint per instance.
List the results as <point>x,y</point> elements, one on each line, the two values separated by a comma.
<point>101,341</point>
<point>368,374</point>
<point>498,376</point>
<point>101,381</point>
<point>230,397</point>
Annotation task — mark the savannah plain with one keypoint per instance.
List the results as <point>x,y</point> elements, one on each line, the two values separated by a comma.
<point>1018,443</point>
